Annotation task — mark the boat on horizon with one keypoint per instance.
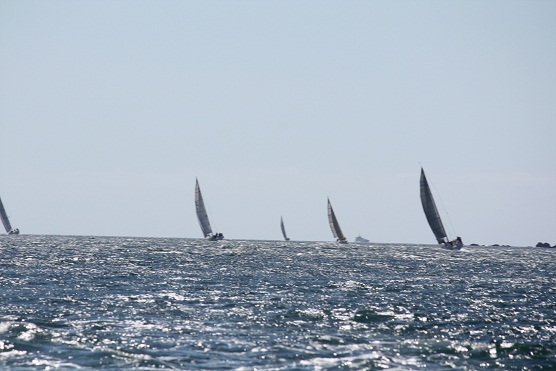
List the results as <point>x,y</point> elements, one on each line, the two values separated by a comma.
<point>361,239</point>
<point>286,238</point>
<point>6,221</point>
<point>435,222</point>
<point>334,226</point>
<point>202,216</point>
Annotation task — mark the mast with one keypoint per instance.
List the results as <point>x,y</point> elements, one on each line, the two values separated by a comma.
<point>4,217</point>
<point>283,229</point>
<point>201,211</point>
<point>431,212</point>
<point>334,226</point>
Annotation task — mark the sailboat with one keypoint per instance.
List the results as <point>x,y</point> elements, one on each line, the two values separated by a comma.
<point>6,221</point>
<point>435,222</point>
<point>334,226</point>
<point>283,229</point>
<point>202,216</point>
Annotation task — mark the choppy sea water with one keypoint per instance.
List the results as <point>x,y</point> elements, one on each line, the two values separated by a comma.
<point>145,303</point>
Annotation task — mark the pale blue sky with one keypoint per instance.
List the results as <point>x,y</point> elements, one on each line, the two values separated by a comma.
<point>110,109</point>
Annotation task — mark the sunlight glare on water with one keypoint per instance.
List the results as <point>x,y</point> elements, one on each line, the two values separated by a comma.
<point>140,303</point>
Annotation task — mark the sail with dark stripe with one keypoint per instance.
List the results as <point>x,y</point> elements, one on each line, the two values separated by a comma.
<point>6,221</point>
<point>4,217</point>
<point>431,212</point>
<point>202,215</point>
<point>283,229</point>
<point>334,226</point>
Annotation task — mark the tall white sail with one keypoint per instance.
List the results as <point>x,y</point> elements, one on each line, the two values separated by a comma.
<point>283,229</point>
<point>202,211</point>
<point>431,212</point>
<point>334,226</point>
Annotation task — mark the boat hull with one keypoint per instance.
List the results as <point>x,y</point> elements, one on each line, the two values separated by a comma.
<point>450,246</point>
<point>216,237</point>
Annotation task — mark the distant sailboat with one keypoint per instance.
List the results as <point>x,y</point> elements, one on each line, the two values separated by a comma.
<point>283,229</point>
<point>6,221</point>
<point>334,226</point>
<point>431,212</point>
<point>203,217</point>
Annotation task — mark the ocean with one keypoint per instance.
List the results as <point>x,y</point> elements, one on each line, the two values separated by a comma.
<point>69,302</point>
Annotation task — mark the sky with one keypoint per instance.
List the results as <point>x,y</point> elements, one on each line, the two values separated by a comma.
<point>109,110</point>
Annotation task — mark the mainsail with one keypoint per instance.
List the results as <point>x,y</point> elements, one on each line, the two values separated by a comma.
<point>429,207</point>
<point>4,218</point>
<point>283,229</point>
<point>334,226</point>
<point>201,211</point>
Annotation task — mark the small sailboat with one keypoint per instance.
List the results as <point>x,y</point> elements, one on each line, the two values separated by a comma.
<point>334,226</point>
<point>6,221</point>
<point>202,216</point>
<point>283,229</point>
<point>435,222</point>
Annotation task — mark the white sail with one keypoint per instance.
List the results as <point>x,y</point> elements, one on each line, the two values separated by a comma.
<point>283,229</point>
<point>202,211</point>
<point>334,226</point>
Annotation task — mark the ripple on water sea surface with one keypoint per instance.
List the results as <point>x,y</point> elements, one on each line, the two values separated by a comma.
<point>144,303</point>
